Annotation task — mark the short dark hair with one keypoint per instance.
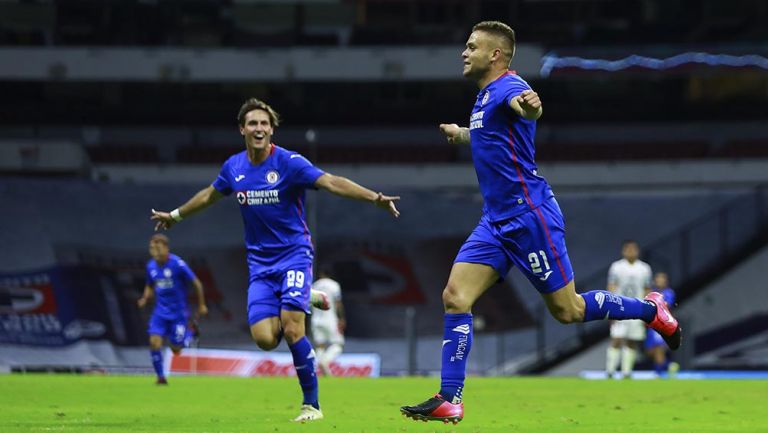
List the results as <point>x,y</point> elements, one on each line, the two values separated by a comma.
<point>159,237</point>
<point>499,29</point>
<point>626,242</point>
<point>251,104</point>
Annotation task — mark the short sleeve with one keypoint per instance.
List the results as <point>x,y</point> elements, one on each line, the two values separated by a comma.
<point>186,271</point>
<point>613,274</point>
<point>336,291</point>
<point>648,277</point>
<point>304,174</point>
<point>222,183</point>
<point>515,88</point>
<point>148,277</point>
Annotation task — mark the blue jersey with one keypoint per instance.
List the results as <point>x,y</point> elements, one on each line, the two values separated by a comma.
<point>171,281</point>
<point>271,198</point>
<point>503,152</point>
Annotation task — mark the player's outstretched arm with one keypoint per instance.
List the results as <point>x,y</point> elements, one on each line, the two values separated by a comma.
<point>346,188</point>
<point>455,133</point>
<point>202,309</point>
<point>527,104</point>
<point>204,198</point>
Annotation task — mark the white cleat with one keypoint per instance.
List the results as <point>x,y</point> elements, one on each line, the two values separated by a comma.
<point>319,300</point>
<point>309,413</point>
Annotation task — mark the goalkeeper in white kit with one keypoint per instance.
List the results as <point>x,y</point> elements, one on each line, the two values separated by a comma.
<point>328,326</point>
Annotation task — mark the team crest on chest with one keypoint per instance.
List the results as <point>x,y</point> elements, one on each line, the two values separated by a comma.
<point>241,197</point>
<point>167,273</point>
<point>272,176</point>
<point>485,98</point>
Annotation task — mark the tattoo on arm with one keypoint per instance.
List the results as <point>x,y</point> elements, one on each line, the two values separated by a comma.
<point>463,137</point>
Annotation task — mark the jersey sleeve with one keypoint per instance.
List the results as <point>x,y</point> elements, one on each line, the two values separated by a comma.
<point>648,277</point>
<point>223,183</point>
<point>513,89</point>
<point>148,277</point>
<point>303,173</point>
<point>186,271</point>
<point>613,274</point>
<point>335,291</point>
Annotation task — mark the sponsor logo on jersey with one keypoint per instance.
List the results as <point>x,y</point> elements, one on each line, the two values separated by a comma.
<point>476,120</point>
<point>258,197</point>
<point>546,275</point>
<point>239,177</point>
<point>272,176</point>
<point>294,294</point>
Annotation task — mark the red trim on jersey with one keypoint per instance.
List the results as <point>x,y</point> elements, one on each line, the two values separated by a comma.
<point>301,217</point>
<point>271,149</point>
<point>511,143</point>
<point>551,244</point>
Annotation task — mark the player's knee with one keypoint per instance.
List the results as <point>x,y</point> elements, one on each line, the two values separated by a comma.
<point>293,332</point>
<point>265,341</point>
<point>564,315</point>
<point>454,301</point>
<point>155,343</point>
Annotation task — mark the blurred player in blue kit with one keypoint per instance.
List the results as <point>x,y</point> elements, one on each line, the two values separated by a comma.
<point>521,224</point>
<point>168,280</point>
<point>269,184</point>
<point>654,342</point>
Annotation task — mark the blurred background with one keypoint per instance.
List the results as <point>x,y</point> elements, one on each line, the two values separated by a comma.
<point>655,128</point>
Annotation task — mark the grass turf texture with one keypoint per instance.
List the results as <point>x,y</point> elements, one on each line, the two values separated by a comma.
<point>105,404</point>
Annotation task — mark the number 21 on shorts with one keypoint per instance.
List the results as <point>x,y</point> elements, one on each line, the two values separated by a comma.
<point>295,279</point>
<point>536,267</point>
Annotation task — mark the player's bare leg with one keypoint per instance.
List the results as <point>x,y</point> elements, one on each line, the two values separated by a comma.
<point>267,332</point>
<point>467,282</point>
<point>304,360</point>
<point>613,356</point>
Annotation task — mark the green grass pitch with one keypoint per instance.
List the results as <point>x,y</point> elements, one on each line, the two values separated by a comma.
<point>105,404</point>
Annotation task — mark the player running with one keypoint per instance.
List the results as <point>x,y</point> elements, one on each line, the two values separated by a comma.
<point>168,279</point>
<point>521,224</point>
<point>629,277</point>
<point>654,343</point>
<point>269,183</point>
<point>328,325</point>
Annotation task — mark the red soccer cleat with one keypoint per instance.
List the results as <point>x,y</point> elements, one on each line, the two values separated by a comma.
<point>664,323</point>
<point>435,409</point>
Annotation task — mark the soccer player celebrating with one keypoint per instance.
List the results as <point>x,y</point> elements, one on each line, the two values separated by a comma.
<point>328,325</point>
<point>168,278</point>
<point>629,277</point>
<point>269,183</point>
<point>654,343</point>
<point>521,225</point>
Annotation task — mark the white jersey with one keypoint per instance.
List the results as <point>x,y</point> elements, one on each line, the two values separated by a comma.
<point>327,318</point>
<point>630,279</point>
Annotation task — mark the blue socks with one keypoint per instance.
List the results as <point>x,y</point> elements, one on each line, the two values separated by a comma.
<point>157,362</point>
<point>304,361</point>
<point>604,305</point>
<point>457,340</point>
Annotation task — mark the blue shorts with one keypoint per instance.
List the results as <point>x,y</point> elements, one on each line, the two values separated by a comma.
<point>174,329</point>
<point>533,241</point>
<point>654,339</point>
<point>287,289</point>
